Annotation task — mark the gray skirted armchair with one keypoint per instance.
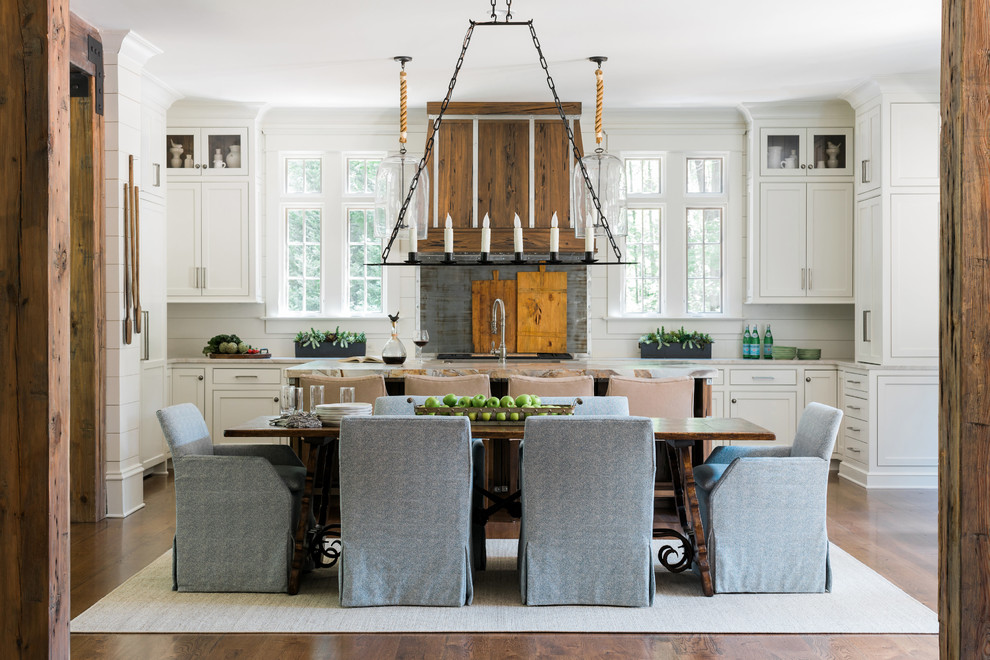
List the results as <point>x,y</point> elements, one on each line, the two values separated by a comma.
<point>405,511</point>
<point>587,511</point>
<point>763,510</point>
<point>236,508</point>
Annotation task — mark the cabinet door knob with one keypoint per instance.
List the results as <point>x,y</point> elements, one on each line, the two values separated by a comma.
<point>275,399</point>
<point>200,377</point>
<point>807,379</point>
<point>803,166</point>
<point>733,401</point>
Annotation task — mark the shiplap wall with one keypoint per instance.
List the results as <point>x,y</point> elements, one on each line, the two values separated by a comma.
<point>829,327</point>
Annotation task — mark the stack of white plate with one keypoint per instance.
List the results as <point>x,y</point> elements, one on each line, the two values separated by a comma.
<point>331,413</point>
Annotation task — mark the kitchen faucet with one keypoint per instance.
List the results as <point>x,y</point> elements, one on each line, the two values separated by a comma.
<point>500,351</point>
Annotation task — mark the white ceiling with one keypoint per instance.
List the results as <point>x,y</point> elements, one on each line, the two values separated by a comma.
<point>661,52</point>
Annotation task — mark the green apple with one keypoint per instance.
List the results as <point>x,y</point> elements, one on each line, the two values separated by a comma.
<point>537,401</point>
<point>492,402</point>
<point>500,416</point>
<point>464,402</point>
<point>472,416</point>
<point>486,416</point>
<point>479,401</point>
<point>432,402</point>
<point>524,400</point>
<point>507,402</point>
<point>450,400</point>
<point>514,417</point>
<point>458,414</point>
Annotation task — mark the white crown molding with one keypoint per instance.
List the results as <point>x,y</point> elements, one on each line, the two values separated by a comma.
<point>924,86</point>
<point>157,91</point>
<point>193,112</point>
<point>128,44</point>
<point>836,110</point>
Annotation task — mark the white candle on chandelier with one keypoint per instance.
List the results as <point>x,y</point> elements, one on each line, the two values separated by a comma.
<point>554,234</point>
<point>589,236</point>
<point>448,234</point>
<point>517,242</point>
<point>486,235</point>
<point>412,238</point>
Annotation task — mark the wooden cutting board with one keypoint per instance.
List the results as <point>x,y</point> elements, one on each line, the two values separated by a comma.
<point>483,295</point>
<point>541,312</point>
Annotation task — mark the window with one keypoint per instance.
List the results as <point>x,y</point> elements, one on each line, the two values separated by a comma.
<point>364,283</point>
<point>704,176</point>
<point>677,206</point>
<point>361,173</point>
<point>304,259</point>
<point>642,284</point>
<point>303,176</point>
<point>704,261</point>
<point>643,176</point>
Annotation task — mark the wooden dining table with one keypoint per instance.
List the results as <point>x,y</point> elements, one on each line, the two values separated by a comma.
<point>680,436</point>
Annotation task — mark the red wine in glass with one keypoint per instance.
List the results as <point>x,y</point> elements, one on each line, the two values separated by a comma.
<point>421,339</point>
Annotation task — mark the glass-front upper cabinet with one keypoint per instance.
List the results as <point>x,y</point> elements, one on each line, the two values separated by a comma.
<point>806,152</point>
<point>206,151</point>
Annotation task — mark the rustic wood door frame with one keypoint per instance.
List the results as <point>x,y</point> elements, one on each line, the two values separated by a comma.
<point>34,329</point>
<point>88,377</point>
<point>964,333</point>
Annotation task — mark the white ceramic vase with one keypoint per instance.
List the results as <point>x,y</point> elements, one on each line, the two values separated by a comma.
<point>234,156</point>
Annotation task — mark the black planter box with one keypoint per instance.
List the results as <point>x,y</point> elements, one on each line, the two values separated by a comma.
<point>328,350</point>
<point>675,352</point>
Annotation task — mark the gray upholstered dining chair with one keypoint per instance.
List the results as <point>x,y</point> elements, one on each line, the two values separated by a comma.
<point>587,492</point>
<point>469,384</point>
<point>236,508</point>
<point>763,510</point>
<point>406,405</point>
<point>405,511</point>
<point>593,405</point>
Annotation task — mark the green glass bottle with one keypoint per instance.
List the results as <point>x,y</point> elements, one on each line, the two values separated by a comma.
<point>747,344</point>
<point>768,344</point>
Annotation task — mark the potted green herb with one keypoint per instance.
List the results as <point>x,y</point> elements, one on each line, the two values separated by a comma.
<point>679,344</point>
<point>327,343</point>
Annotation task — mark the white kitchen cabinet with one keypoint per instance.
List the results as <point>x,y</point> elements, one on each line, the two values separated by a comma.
<point>152,149</point>
<point>189,386</point>
<point>806,241</point>
<point>775,410</point>
<point>868,320</point>
<point>235,406</point>
<point>890,427</point>
<point>821,386</point>
<point>196,152</point>
<point>823,151</point>
<point>914,144</point>
<point>209,241</point>
<point>151,442</point>
<point>868,168</point>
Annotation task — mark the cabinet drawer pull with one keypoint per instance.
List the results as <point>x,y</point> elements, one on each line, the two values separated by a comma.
<point>853,428</point>
<point>853,407</point>
<point>853,449</point>
<point>854,382</point>
<point>246,376</point>
<point>763,377</point>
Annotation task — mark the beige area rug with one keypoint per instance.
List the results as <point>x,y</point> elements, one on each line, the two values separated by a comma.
<point>861,601</point>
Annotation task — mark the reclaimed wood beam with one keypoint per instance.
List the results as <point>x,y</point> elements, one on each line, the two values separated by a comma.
<point>964,333</point>
<point>34,329</point>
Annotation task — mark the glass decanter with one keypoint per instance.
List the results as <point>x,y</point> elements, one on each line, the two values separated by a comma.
<point>394,352</point>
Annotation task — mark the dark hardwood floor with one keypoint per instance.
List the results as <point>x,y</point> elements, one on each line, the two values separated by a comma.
<point>893,532</point>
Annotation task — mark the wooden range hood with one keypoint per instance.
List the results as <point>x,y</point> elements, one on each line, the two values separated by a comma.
<point>521,147</point>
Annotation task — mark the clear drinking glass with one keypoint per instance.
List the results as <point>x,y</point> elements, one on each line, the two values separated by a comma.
<point>287,399</point>
<point>347,395</point>
<point>315,397</point>
<point>421,339</point>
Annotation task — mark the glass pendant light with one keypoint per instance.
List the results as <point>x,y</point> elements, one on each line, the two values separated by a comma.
<point>607,176</point>
<point>395,175</point>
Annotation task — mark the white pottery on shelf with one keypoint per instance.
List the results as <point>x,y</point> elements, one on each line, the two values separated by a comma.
<point>234,156</point>
<point>774,155</point>
<point>832,151</point>
<point>189,161</point>
<point>176,151</point>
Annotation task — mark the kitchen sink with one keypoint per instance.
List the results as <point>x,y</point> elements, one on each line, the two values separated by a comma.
<point>509,356</point>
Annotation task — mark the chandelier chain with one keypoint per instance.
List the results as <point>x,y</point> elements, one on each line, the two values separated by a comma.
<point>494,15</point>
<point>577,152</point>
<point>429,143</point>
